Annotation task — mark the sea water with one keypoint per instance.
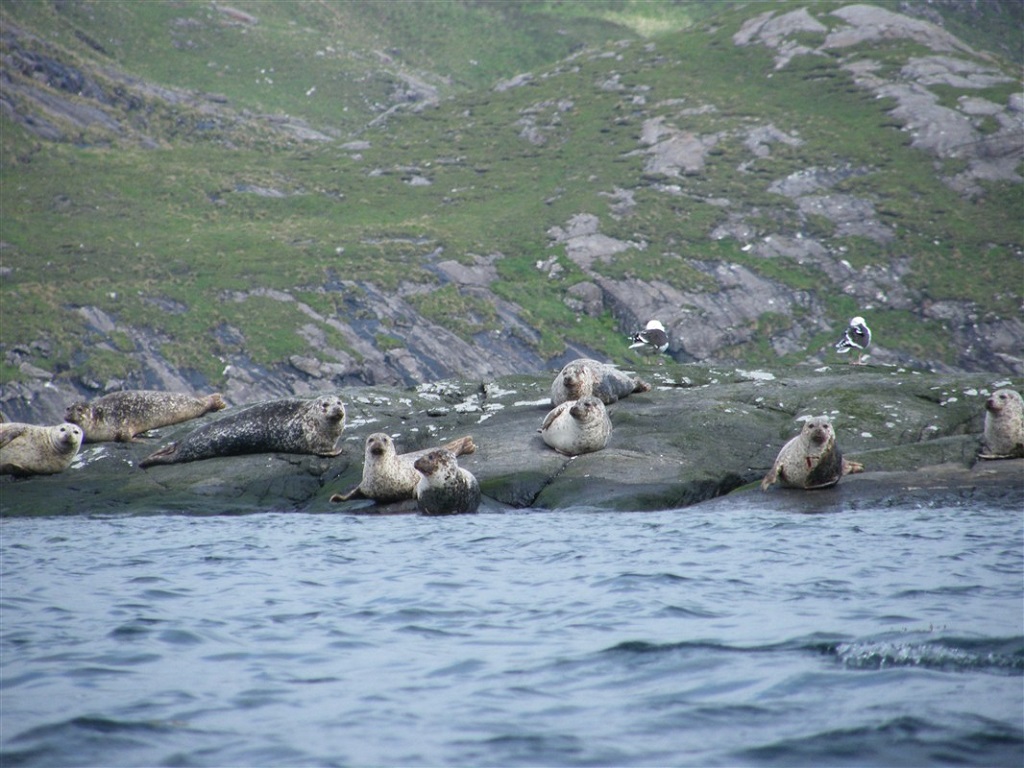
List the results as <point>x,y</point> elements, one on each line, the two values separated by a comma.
<point>717,635</point>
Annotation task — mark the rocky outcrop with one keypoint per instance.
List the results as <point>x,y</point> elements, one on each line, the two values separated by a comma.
<point>386,341</point>
<point>701,433</point>
<point>943,131</point>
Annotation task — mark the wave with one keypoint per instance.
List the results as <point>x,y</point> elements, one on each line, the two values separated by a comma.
<point>948,654</point>
<point>996,655</point>
<point>900,741</point>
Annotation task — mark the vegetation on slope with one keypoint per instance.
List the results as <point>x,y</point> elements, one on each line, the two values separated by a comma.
<point>188,238</point>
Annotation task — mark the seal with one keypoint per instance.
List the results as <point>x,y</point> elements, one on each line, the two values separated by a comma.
<point>445,488</point>
<point>289,425</point>
<point>584,377</point>
<point>812,459</point>
<point>577,426</point>
<point>27,449</point>
<point>120,416</point>
<point>1003,437</point>
<point>389,476</point>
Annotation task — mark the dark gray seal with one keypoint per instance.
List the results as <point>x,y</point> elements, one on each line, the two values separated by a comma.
<point>584,377</point>
<point>445,488</point>
<point>120,416</point>
<point>389,476</point>
<point>810,460</point>
<point>27,449</point>
<point>290,425</point>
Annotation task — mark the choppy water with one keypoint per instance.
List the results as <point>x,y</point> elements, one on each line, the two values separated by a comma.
<point>714,635</point>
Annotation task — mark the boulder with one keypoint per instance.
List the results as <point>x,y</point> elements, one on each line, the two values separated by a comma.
<point>701,433</point>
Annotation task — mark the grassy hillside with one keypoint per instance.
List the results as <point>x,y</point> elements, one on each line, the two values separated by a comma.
<point>175,239</point>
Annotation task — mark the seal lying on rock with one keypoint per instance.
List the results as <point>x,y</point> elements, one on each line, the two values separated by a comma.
<point>121,416</point>
<point>445,488</point>
<point>290,425</point>
<point>584,377</point>
<point>812,459</point>
<point>388,476</point>
<point>27,449</point>
<point>577,426</point>
<point>1004,426</point>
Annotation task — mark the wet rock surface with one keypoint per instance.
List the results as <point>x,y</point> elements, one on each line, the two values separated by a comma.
<point>702,432</point>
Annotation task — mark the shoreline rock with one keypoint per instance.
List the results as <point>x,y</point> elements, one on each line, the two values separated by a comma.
<point>699,434</point>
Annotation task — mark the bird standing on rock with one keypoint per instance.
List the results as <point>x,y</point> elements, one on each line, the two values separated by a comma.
<point>652,339</point>
<point>857,336</point>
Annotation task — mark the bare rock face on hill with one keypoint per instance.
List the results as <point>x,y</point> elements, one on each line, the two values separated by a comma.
<point>60,101</point>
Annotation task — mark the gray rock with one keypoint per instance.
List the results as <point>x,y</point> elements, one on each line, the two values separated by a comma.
<point>701,433</point>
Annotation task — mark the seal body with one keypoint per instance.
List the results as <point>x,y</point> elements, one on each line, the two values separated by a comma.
<point>810,460</point>
<point>389,476</point>
<point>290,425</point>
<point>121,416</point>
<point>445,488</point>
<point>27,449</point>
<point>1004,426</point>
<point>584,377</point>
<point>577,426</point>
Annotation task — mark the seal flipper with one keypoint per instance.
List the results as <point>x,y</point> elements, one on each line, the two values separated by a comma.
<point>771,478</point>
<point>7,434</point>
<point>164,456</point>
<point>215,402</point>
<point>355,493</point>
<point>461,445</point>
<point>852,467</point>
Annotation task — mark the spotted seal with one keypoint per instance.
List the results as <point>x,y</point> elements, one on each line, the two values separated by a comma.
<point>289,425</point>
<point>120,416</point>
<point>577,426</point>
<point>445,488</point>
<point>584,377</point>
<point>1003,437</point>
<point>27,449</point>
<point>812,459</point>
<point>389,476</point>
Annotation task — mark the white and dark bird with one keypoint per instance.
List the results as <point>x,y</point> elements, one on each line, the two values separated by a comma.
<point>856,336</point>
<point>652,339</point>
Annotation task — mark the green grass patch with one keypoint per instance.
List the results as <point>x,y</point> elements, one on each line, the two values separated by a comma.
<point>223,210</point>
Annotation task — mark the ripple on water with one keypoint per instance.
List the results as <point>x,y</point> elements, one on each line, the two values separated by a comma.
<point>690,637</point>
